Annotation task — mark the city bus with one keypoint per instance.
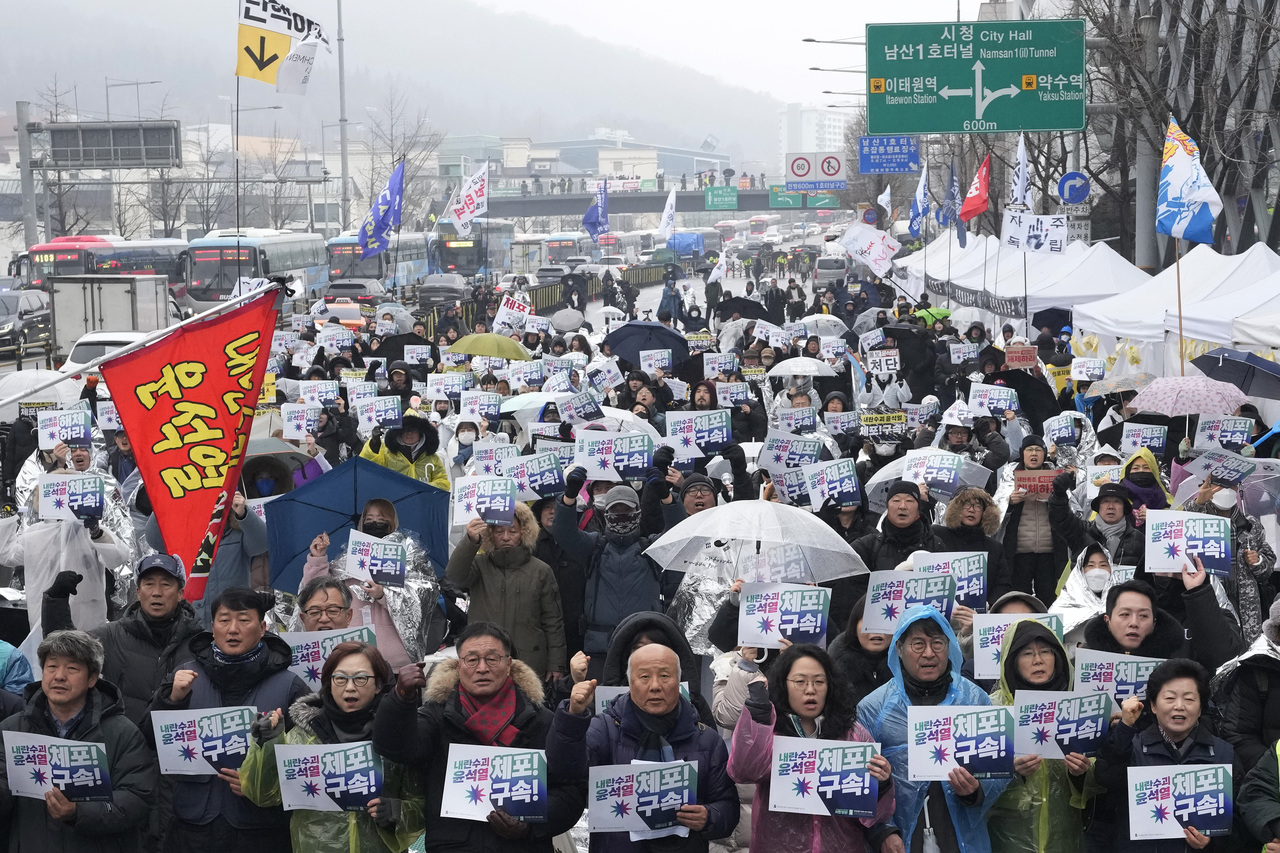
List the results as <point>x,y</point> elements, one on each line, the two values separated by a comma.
<point>826,217</point>
<point>729,228</point>
<point>224,256</point>
<point>404,261</point>
<point>627,244</point>
<point>758,225</point>
<point>108,254</point>
<point>561,246</point>
<point>487,248</point>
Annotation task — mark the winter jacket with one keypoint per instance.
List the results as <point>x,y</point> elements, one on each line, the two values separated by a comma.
<point>15,669</point>
<point>1071,534</point>
<point>621,580</point>
<point>424,465</point>
<point>884,713</point>
<point>751,760</point>
<point>861,524</point>
<point>241,543</point>
<point>135,660</point>
<point>513,589</point>
<point>655,625</point>
<point>571,579</point>
<point>750,425</point>
<point>110,827</point>
<point>864,672</point>
<point>1043,813</point>
<point>334,832</point>
<point>1247,695</point>
<point>338,433</point>
<point>419,737</point>
<point>881,551</point>
<point>1077,604</point>
<point>1258,800</point>
<point>1208,635</point>
<point>953,535</point>
<point>265,683</point>
<point>578,742</point>
<point>1126,747</point>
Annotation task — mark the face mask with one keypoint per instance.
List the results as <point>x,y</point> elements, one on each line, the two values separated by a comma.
<point>885,449</point>
<point>465,438</point>
<point>1096,579</point>
<point>1143,478</point>
<point>265,486</point>
<point>622,528</point>
<point>377,529</point>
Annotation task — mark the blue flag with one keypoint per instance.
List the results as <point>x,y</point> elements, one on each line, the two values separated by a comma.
<point>384,216</point>
<point>1187,203</point>
<point>596,219</point>
<point>920,202</point>
<point>949,211</point>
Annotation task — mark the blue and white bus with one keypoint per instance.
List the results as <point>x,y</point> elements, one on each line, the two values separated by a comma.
<point>485,250</point>
<point>222,257</point>
<point>403,263</point>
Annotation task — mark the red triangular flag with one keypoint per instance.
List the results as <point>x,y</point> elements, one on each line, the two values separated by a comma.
<point>187,402</point>
<point>976,201</point>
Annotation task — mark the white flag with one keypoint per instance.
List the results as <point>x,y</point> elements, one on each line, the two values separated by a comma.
<point>470,200</point>
<point>722,264</point>
<point>871,246</point>
<point>883,198</point>
<point>668,216</point>
<point>1019,188</point>
<point>295,71</point>
<point>463,227</point>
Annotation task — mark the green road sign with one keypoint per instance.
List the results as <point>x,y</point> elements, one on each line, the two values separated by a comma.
<point>720,198</point>
<point>648,185</point>
<point>982,77</point>
<point>823,200</point>
<point>779,197</point>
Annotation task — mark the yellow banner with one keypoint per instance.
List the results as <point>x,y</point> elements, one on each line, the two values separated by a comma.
<point>1061,376</point>
<point>259,53</point>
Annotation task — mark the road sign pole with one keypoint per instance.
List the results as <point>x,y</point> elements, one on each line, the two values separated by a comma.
<point>1147,166</point>
<point>29,232</point>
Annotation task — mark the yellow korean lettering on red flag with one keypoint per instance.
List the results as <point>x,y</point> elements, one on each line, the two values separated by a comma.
<point>188,415</point>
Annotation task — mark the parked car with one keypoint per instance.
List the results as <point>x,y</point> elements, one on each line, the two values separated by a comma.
<point>442,287</point>
<point>831,268</point>
<point>24,320</point>
<point>576,261</point>
<point>95,345</point>
<point>366,290</point>
<point>553,272</point>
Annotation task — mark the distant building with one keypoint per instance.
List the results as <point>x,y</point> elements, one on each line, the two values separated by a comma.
<point>805,128</point>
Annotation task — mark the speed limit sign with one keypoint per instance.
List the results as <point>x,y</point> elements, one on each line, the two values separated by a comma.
<point>815,171</point>
<point>799,167</point>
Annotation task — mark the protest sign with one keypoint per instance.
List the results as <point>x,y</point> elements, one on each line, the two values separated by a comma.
<point>1053,723</point>
<point>1134,437</point>
<point>1020,358</point>
<point>876,424</point>
<point>1174,538</point>
<point>535,476</point>
<point>36,764</point>
<point>381,561</point>
<point>652,360</point>
<point>72,497</point>
<point>72,428</point>
<point>1088,369</point>
<point>479,404</point>
<point>1224,433</point>
<point>891,594</point>
<point>1166,799</point>
<point>969,568</point>
<point>511,313</point>
<point>382,412</point>
<point>960,353</point>
<point>641,797</point>
<point>715,363</point>
<point>202,741</point>
<point>884,361</point>
<point>298,419</point>
<point>490,499</point>
<point>328,777</point>
<point>1120,675</point>
<point>1098,476</point>
<point>1221,467</point>
<point>581,408</point>
<point>995,399</point>
<point>842,423</point>
<point>1037,484</point>
<point>730,394</point>
<point>710,431</point>
<point>940,470</point>
<point>978,738</point>
<point>836,771</point>
<point>481,779</point>
<point>604,375</point>
<point>771,612</point>
<point>835,481</point>
<point>783,450</point>
<point>801,420</point>
<point>793,485</point>
<point>486,454</point>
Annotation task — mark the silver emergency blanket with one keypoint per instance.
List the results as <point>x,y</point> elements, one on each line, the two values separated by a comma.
<point>694,606</point>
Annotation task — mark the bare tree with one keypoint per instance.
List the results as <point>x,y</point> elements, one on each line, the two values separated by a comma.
<point>277,201</point>
<point>212,200</point>
<point>164,201</point>
<point>128,217</point>
<point>70,210</point>
<point>399,134</point>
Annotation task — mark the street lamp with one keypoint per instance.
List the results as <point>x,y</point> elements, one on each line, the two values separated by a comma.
<point>840,70</point>
<point>136,84</point>
<point>848,41</point>
<point>829,92</point>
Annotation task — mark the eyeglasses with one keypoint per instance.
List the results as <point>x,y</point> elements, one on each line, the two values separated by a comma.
<point>698,490</point>
<point>359,679</point>
<point>919,645</point>
<point>1034,652</point>
<point>806,683</point>
<point>491,661</point>
<point>975,503</point>
<point>332,612</point>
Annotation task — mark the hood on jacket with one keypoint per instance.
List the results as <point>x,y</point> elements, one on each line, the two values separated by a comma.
<point>528,529</point>
<point>1077,604</point>
<point>990,512</point>
<point>1016,595</point>
<point>430,436</point>
<point>1145,454</point>
<point>1164,641</point>
<point>1017,637</point>
<point>954,657</point>
<point>316,372</point>
<point>444,681</point>
<point>711,388</point>
<point>400,364</point>
<point>338,362</point>
<point>1106,450</point>
<point>651,623</point>
<point>835,395</point>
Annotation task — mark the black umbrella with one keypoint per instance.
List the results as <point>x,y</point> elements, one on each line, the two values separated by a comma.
<point>912,343</point>
<point>629,339</point>
<point>1178,429</point>
<point>1252,374</point>
<point>741,306</point>
<point>1035,396</point>
<point>573,279</point>
<point>392,348</point>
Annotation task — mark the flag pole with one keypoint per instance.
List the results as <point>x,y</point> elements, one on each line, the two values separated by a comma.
<point>1026,304</point>
<point>220,308</point>
<point>1177,263</point>
<point>395,255</point>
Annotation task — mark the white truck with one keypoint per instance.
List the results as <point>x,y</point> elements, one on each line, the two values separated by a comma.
<point>80,304</point>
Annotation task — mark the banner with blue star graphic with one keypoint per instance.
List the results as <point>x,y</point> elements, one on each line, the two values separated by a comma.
<point>202,741</point>
<point>1053,723</point>
<point>36,764</point>
<point>640,797</point>
<point>329,777</point>
<point>823,777</point>
<point>891,594</point>
<point>481,779</point>
<point>1175,538</point>
<point>978,738</point>
<point>1164,800</point>
<point>771,612</point>
<point>310,649</point>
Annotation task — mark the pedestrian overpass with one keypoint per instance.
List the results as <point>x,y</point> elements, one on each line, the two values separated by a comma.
<point>691,201</point>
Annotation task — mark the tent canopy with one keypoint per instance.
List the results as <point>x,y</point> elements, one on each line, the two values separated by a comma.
<point>1252,288</point>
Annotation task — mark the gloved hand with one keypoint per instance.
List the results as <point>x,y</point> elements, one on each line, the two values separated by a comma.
<point>93,526</point>
<point>1184,448</point>
<point>663,457</point>
<point>1064,482</point>
<point>566,431</point>
<point>64,585</point>
<point>655,481</point>
<point>574,481</point>
<point>375,440</point>
<point>736,458</point>
<point>1247,451</point>
<point>263,730</point>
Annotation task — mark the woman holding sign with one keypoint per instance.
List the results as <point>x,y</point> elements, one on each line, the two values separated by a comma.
<point>1042,809</point>
<point>354,680</point>
<point>804,697</point>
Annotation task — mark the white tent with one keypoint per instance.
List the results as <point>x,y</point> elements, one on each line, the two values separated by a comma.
<point>1100,273</point>
<point>1258,331</point>
<point>1139,314</point>
<point>1250,290</point>
<point>934,260</point>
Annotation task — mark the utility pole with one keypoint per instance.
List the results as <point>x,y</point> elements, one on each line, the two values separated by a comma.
<point>1147,161</point>
<point>29,233</point>
<point>342,126</point>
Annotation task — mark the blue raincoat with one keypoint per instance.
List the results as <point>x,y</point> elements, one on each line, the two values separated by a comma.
<point>884,714</point>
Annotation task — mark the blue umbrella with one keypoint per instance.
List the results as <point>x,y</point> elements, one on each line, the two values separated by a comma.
<point>628,340</point>
<point>1252,374</point>
<point>332,504</point>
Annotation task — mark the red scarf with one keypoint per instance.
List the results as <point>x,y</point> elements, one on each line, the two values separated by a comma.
<point>490,721</point>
